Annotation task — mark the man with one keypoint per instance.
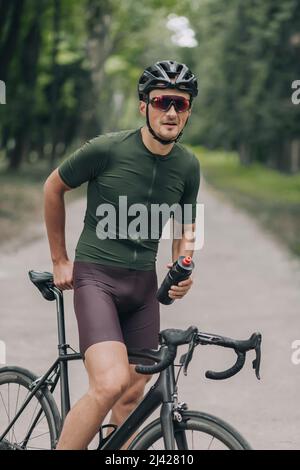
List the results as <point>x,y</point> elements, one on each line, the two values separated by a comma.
<point>114,276</point>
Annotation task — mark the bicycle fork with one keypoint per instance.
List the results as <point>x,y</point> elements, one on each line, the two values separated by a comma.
<point>170,415</point>
<point>166,417</point>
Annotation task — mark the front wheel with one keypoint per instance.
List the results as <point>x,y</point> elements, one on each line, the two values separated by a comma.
<point>196,431</point>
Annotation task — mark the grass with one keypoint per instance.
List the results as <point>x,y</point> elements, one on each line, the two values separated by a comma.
<point>272,197</point>
<point>21,200</point>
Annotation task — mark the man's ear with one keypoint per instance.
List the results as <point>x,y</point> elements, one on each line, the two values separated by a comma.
<point>142,107</point>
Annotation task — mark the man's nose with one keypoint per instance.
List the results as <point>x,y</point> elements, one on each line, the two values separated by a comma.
<point>172,111</point>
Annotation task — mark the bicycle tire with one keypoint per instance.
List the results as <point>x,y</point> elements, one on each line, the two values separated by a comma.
<point>24,378</point>
<point>210,426</point>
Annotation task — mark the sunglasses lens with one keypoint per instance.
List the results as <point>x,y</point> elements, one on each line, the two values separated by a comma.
<point>181,104</point>
<point>164,102</point>
<point>161,102</point>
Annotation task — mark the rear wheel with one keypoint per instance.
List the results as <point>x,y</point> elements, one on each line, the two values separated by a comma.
<point>196,431</point>
<point>39,424</point>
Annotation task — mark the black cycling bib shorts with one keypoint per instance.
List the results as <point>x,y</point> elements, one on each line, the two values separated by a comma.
<point>116,304</point>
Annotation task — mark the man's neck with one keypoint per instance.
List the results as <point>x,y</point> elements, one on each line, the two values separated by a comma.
<point>153,145</point>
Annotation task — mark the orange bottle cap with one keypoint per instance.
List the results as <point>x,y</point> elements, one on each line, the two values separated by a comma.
<point>187,260</point>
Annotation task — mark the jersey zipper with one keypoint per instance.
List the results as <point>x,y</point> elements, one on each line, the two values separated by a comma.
<point>154,171</point>
<point>153,178</point>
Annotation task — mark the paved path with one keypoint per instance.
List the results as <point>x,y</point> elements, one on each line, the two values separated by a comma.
<point>244,281</point>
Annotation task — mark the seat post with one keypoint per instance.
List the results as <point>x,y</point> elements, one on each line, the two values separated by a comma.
<point>60,321</point>
<point>62,348</point>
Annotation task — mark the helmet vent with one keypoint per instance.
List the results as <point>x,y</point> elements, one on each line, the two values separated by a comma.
<point>188,75</point>
<point>156,73</point>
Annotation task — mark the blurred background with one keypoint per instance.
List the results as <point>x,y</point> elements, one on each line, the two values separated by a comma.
<point>71,68</point>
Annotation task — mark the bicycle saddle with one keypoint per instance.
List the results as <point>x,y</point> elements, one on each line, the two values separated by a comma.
<point>43,281</point>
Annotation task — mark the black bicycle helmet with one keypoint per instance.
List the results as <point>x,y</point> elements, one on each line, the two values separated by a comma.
<point>160,75</point>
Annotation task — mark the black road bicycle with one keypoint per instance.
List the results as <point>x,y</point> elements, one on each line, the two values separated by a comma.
<point>29,417</point>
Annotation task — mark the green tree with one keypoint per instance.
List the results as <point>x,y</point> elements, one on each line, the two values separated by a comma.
<point>247,64</point>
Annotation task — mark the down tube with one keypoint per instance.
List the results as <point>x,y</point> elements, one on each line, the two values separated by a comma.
<point>148,405</point>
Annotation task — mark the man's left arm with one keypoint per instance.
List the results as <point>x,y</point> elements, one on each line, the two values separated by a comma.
<point>182,247</point>
<point>184,244</point>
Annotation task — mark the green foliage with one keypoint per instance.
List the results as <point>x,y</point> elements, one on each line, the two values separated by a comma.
<point>223,170</point>
<point>248,63</point>
<point>65,62</point>
<point>272,198</point>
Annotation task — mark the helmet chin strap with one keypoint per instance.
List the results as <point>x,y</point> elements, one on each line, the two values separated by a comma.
<point>156,137</point>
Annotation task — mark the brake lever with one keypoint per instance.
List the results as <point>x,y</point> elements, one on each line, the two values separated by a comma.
<point>187,357</point>
<point>256,362</point>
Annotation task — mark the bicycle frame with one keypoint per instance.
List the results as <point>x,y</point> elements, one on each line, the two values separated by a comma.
<point>162,392</point>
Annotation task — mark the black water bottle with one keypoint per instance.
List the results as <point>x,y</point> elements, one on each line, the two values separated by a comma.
<point>181,270</point>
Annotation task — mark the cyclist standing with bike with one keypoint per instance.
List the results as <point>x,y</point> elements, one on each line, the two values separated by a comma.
<point>114,276</point>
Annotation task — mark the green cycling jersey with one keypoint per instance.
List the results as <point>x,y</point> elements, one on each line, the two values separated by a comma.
<point>121,171</point>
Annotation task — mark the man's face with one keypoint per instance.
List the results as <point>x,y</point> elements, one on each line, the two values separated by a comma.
<point>166,124</point>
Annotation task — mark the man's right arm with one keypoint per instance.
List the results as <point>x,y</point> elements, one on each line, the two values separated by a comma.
<point>54,212</point>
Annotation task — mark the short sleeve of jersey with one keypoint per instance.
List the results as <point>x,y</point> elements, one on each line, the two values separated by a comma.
<point>86,163</point>
<point>188,201</point>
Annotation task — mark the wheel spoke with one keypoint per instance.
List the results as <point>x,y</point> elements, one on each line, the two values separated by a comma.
<point>8,408</point>
<point>16,407</point>
<point>32,438</point>
<point>39,435</point>
<point>7,411</point>
<point>210,444</point>
<point>31,421</point>
<point>41,419</point>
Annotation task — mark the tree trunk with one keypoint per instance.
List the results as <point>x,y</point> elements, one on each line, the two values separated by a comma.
<point>54,90</point>
<point>17,154</point>
<point>245,154</point>
<point>293,160</point>
<point>10,41</point>
<point>100,45</point>
<point>24,122</point>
